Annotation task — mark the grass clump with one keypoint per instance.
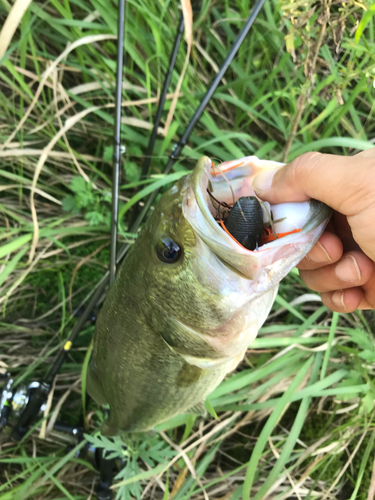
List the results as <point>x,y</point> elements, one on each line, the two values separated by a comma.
<point>296,419</point>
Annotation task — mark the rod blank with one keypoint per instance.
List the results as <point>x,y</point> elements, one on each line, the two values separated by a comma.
<point>117,140</point>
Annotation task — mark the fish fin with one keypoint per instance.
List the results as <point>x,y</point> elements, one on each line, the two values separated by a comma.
<point>198,409</point>
<point>94,387</point>
<point>108,429</point>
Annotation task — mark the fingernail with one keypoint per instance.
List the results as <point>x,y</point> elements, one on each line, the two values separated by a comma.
<point>319,254</point>
<point>347,269</point>
<point>263,181</point>
<point>338,299</point>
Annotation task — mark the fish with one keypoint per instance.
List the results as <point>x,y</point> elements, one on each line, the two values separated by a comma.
<point>189,298</point>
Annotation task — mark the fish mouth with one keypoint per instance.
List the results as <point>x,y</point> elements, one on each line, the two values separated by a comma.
<point>294,227</point>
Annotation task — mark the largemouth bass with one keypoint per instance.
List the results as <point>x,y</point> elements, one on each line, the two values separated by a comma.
<point>189,299</point>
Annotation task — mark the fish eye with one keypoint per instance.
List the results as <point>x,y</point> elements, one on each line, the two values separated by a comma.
<point>168,251</point>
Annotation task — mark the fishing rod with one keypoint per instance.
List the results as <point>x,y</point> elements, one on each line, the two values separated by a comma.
<point>151,144</point>
<point>106,466</point>
<point>117,150</point>
<point>38,395</point>
<point>40,390</point>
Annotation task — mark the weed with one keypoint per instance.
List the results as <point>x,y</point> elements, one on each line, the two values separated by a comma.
<point>295,418</point>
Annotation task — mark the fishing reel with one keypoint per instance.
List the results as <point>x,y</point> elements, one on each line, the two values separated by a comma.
<point>16,406</point>
<point>13,401</point>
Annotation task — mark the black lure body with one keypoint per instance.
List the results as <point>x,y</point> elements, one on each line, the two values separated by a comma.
<point>245,222</point>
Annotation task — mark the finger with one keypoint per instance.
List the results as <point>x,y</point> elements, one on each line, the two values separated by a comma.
<point>312,175</point>
<point>339,225</point>
<point>369,293</point>
<point>352,298</point>
<point>352,270</point>
<point>344,301</point>
<point>327,250</point>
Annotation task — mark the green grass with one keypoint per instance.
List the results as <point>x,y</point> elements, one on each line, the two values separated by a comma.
<point>296,418</point>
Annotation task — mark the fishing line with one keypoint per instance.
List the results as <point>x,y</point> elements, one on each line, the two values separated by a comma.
<point>226,179</point>
<point>161,157</point>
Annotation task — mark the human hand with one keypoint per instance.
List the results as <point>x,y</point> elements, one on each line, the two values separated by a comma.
<point>341,264</point>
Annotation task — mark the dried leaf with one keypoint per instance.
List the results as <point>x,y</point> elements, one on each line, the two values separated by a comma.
<point>188,20</point>
<point>11,24</point>
<point>82,41</point>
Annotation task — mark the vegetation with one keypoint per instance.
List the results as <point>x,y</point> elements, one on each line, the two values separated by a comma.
<point>296,419</point>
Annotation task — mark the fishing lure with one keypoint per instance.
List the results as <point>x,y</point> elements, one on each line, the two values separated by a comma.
<point>245,222</point>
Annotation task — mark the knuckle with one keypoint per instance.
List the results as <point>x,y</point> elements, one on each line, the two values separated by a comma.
<point>304,263</point>
<point>328,302</point>
<point>307,276</point>
<point>360,188</point>
<point>303,165</point>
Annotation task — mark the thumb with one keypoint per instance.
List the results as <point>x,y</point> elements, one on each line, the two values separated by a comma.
<point>345,183</point>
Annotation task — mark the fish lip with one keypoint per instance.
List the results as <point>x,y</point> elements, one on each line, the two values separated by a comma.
<point>197,208</point>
